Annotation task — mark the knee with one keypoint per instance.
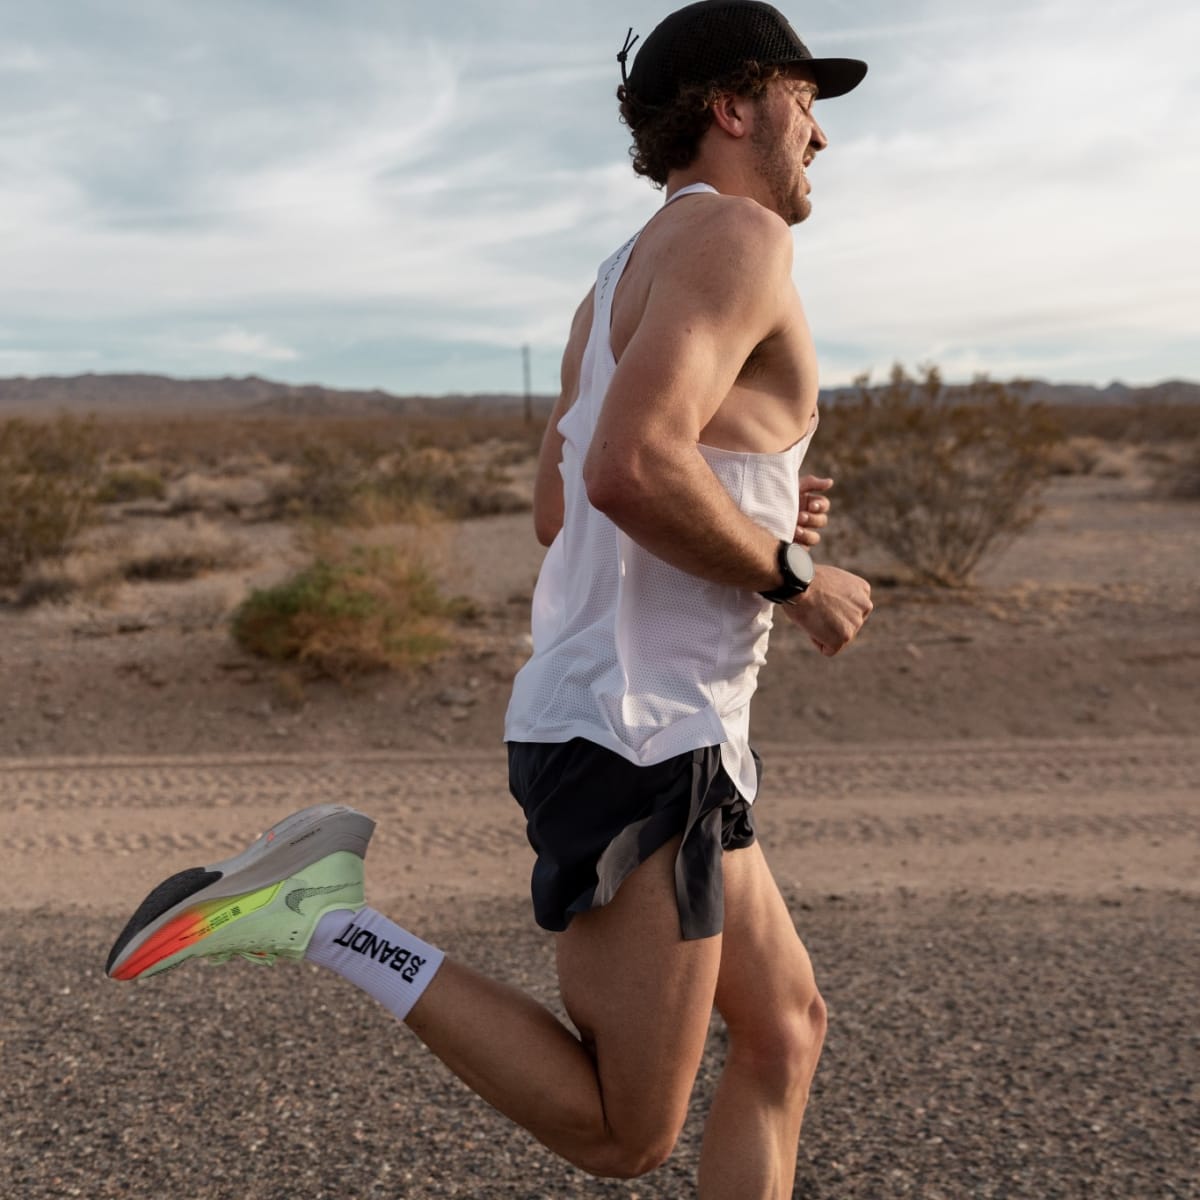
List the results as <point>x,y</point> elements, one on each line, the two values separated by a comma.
<point>782,1047</point>
<point>617,1157</point>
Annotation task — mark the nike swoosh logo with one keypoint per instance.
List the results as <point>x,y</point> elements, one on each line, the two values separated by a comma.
<point>297,897</point>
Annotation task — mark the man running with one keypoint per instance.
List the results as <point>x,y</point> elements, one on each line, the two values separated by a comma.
<point>669,494</point>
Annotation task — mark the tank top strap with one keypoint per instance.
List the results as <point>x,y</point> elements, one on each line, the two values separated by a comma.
<point>606,284</point>
<point>692,189</point>
<point>613,267</point>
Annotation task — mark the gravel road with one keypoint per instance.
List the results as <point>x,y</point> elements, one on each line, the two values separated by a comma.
<point>1006,935</point>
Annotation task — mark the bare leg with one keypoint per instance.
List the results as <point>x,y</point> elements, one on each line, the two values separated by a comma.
<point>776,1019</point>
<point>612,1103</point>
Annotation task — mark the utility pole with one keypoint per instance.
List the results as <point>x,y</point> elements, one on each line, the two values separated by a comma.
<point>528,386</point>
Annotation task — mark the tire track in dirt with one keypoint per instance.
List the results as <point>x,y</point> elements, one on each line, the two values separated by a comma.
<point>935,829</point>
<point>1078,816</point>
<point>424,781</point>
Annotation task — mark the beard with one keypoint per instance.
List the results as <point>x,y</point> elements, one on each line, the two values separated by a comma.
<point>772,166</point>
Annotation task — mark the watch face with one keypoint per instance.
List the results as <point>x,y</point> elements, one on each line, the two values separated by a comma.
<point>800,563</point>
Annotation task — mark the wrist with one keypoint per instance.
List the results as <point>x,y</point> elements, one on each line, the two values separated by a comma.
<point>796,571</point>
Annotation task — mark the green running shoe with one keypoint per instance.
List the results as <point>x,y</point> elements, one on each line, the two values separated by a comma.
<point>262,904</point>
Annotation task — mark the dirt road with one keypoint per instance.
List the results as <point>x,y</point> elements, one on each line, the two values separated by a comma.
<point>1006,933</point>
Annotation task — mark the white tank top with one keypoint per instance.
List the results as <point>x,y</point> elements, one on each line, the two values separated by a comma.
<point>628,651</point>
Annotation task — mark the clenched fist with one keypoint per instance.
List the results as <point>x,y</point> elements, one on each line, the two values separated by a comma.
<point>833,609</point>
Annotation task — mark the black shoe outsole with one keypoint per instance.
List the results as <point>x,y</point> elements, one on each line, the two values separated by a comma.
<point>168,893</point>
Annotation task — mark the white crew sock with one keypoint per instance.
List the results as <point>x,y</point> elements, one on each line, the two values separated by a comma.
<point>375,954</point>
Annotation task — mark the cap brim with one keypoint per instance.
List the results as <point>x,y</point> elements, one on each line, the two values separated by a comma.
<point>836,76</point>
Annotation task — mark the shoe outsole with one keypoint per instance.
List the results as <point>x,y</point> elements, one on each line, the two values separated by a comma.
<point>285,849</point>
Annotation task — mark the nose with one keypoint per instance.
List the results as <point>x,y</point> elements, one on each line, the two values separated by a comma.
<point>817,139</point>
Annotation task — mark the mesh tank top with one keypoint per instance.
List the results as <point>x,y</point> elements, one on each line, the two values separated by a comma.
<point>628,651</point>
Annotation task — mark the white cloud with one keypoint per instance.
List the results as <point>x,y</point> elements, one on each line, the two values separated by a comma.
<point>1010,187</point>
<point>244,344</point>
<point>18,58</point>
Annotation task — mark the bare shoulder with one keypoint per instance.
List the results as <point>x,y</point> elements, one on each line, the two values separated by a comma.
<point>727,250</point>
<point>739,228</point>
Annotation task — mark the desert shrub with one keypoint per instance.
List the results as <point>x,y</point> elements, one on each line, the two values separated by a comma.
<point>121,484</point>
<point>353,469</point>
<point>1143,422</point>
<point>444,482</point>
<point>241,495</point>
<point>938,476</point>
<point>362,609</point>
<point>1179,479</point>
<point>47,489</point>
<point>172,552</point>
<point>178,552</point>
<point>329,479</point>
<point>339,484</point>
<point>1075,456</point>
<point>209,441</point>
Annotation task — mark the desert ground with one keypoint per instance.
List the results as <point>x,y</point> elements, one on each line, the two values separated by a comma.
<point>983,816</point>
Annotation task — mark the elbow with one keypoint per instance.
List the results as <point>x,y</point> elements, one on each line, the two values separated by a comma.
<point>611,492</point>
<point>546,530</point>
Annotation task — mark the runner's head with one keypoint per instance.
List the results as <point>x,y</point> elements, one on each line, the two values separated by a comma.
<point>702,52</point>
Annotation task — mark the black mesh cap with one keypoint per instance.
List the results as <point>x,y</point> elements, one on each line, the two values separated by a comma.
<point>708,41</point>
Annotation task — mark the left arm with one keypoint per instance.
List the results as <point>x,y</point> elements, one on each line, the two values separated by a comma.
<point>547,486</point>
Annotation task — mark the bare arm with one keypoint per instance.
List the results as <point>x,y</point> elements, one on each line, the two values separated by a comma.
<point>707,310</point>
<point>547,485</point>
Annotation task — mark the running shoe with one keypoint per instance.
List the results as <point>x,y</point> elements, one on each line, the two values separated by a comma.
<point>263,904</point>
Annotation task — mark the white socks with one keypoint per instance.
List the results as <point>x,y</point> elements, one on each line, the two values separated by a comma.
<point>375,954</point>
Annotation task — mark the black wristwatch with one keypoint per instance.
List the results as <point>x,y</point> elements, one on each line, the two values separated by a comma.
<point>796,567</point>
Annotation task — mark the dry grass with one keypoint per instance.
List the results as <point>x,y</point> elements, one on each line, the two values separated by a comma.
<point>244,496</point>
<point>172,552</point>
<point>1137,424</point>
<point>354,609</point>
<point>123,484</point>
<point>1178,476</point>
<point>48,473</point>
<point>354,470</point>
<point>208,442</point>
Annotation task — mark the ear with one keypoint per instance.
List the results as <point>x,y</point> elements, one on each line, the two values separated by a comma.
<point>733,114</point>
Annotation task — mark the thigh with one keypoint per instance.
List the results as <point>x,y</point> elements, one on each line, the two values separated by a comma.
<point>641,997</point>
<point>765,970</point>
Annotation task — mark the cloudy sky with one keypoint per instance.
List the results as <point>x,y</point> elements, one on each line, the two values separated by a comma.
<point>397,194</point>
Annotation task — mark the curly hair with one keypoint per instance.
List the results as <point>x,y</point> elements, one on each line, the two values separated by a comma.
<point>666,137</point>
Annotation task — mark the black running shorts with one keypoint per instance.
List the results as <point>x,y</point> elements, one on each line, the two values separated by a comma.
<point>593,816</point>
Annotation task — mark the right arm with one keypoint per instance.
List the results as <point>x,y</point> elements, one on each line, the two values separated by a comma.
<point>710,304</point>
<point>706,311</point>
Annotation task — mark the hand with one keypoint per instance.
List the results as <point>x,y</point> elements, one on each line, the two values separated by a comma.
<point>814,509</point>
<point>833,609</point>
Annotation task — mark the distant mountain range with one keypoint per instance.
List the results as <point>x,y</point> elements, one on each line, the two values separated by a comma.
<point>177,397</point>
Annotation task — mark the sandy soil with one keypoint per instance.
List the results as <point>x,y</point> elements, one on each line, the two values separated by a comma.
<point>984,817</point>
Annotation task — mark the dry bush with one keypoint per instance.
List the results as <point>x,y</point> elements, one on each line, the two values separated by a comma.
<point>327,481</point>
<point>1141,423</point>
<point>354,469</point>
<point>209,441</point>
<point>1075,456</point>
<point>334,483</point>
<point>938,476</point>
<point>179,551</point>
<point>58,580</point>
<point>119,485</point>
<point>170,553</point>
<point>352,610</point>
<point>240,495</point>
<point>445,482</point>
<point>48,474</point>
<point>1179,479</point>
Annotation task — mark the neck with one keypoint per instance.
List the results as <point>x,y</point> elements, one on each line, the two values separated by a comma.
<point>725,177</point>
